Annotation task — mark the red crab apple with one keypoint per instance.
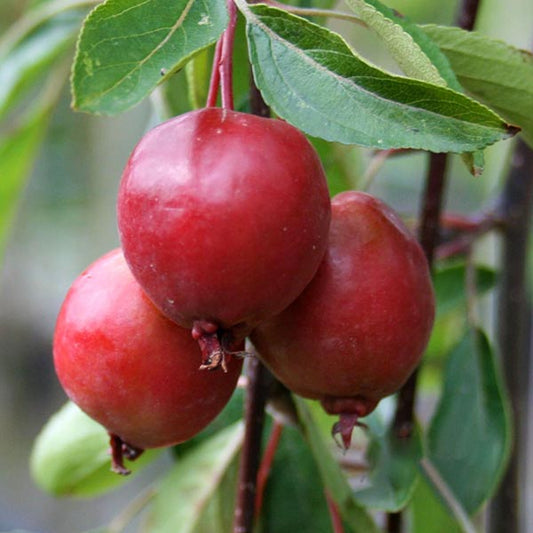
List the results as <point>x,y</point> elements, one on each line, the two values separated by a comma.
<point>223,218</point>
<point>129,367</point>
<point>360,327</point>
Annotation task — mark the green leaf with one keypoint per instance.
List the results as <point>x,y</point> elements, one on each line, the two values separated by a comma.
<point>394,470</point>
<point>492,71</point>
<point>428,513</point>
<point>70,456</point>
<point>416,54</point>
<point>311,78</point>
<point>449,285</point>
<point>184,497</point>
<point>26,59</point>
<point>218,514</point>
<point>18,151</point>
<point>352,512</point>
<point>127,47</point>
<point>294,483</point>
<point>469,437</point>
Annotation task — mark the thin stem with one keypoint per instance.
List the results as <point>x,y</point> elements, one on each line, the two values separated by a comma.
<point>214,82</point>
<point>266,464</point>
<point>226,60</point>
<point>471,291</point>
<point>471,230</point>
<point>451,501</point>
<point>467,13</point>
<point>373,168</point>
<point>394,522</point>
<point>254,412</point>
<point>122,520</point>
<point>334,513</point>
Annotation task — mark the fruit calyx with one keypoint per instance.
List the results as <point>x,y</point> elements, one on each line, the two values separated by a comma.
<point>120,450</point>
<point>350,410</point>
<point>216,345</point>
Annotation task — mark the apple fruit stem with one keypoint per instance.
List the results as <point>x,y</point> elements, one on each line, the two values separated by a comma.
<point>222,68</point>
<point>226,59</point>
<point>120,450</point>
<point>214,81</point>
<point>207,335</point>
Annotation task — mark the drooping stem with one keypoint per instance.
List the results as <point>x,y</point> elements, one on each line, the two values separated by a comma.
<point>514,332</point>
<point>254,413</point>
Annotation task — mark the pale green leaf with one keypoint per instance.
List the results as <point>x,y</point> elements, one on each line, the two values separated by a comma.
<point>127,47</point>
<point>416,54</point>
<point>24,61</point>
<point>70,456</point>
<point>187,492</point>
<point>311,78</point>
<point>492,71</point>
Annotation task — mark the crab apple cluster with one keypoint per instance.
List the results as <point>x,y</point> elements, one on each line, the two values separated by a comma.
<point>228,231</point>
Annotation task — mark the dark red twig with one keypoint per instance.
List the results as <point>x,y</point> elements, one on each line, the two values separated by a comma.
<point>266,464</point>
<point>428,236</point>
<point>334,513</point>
<point>470,230</point>
<point>254,413</point>
<point>514,334</point>
<point>467,13</point>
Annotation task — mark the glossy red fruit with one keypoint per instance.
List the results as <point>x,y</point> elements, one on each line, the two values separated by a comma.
<point>130,368</point>
<point>223,218</point>
<point>360,327</point>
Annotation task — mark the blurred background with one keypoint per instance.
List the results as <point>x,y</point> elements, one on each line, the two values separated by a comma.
<point>66,219</point>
